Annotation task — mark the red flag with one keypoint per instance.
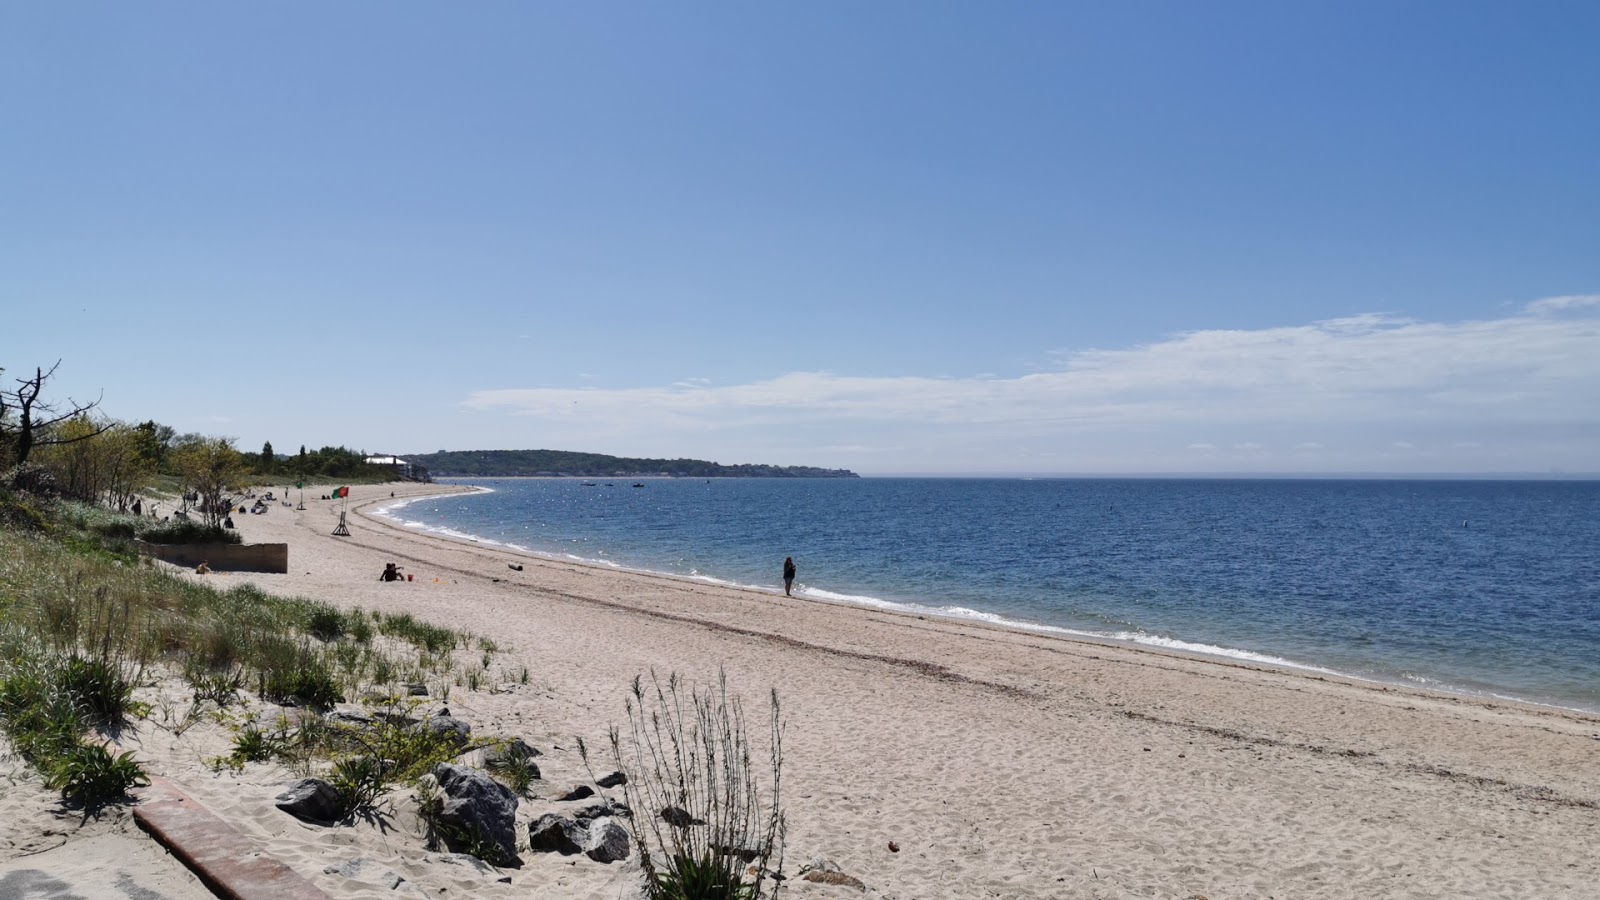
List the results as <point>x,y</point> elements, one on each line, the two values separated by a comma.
<point>341,492</point>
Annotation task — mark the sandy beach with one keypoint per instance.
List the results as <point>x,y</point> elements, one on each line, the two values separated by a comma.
<point>999,763</point>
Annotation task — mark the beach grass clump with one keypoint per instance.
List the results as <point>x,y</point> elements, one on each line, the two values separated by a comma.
<point>89,775</point>
<point>432,639</point>
<point>704,826</point>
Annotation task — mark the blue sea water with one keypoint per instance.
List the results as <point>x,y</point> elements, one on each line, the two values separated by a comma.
<point>1489,588</point>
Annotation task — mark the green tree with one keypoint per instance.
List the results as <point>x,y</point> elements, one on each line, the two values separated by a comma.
<point>269,460</point>
<point>214,470</point>
<point>154,442</point>
<point>96,462</point>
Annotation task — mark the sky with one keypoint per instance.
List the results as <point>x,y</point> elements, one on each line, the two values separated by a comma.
<point>895,237</point>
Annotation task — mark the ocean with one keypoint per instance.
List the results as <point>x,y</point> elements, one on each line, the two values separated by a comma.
<point>1485,588</point>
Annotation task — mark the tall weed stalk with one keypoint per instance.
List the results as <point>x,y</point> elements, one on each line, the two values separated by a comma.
<point>704,827</point>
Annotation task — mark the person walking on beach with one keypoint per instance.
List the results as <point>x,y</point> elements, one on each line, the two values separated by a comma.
<point>788,575</point>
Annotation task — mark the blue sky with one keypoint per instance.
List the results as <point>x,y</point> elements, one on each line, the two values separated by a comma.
<point>895,237</point>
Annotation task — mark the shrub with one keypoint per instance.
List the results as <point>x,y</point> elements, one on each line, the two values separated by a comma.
<point>188,531</point>
<point>689,751</point>
<point>89,775</point>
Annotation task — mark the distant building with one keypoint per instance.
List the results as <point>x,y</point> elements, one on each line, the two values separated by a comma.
<point>402,470</point>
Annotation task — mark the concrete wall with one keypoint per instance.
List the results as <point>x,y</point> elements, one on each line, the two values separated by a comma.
<point>222,557</point>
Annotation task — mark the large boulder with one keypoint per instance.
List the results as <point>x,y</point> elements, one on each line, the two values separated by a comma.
<point>608,841</point>
<point>476,805</point>
<point>311,800</point>
<point>557,834</point>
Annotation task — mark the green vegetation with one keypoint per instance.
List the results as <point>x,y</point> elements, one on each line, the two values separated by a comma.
<point>509,463</point>
<point>704,828</point>
<point>85,625</point>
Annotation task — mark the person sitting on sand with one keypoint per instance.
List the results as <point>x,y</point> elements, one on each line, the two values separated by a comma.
<point>202,569</point>
<point>391,572</point>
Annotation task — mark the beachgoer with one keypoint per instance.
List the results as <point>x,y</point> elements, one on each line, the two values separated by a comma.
<point>391,572</point>
<point>788,575</point>
<point>202,569</point>
<point>228,522</point>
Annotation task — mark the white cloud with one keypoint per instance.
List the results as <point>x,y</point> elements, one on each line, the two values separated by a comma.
<point>1368,373</point>
<point>1559,304</point>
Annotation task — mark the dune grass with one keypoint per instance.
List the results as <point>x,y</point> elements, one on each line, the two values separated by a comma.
<point>84,623</point>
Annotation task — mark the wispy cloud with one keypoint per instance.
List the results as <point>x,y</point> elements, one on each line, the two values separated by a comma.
<point>1368,373</point>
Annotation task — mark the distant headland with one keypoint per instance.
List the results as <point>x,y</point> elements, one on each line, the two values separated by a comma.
<point>513,463</point>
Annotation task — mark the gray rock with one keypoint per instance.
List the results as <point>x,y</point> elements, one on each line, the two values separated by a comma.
<point>581,792</point>
<point>679,817</point>
<point>557,834</point>
<point>417,689</point>
<point>745,853</point>
<point>516,748</point>
<point>349,714</point>
<point>478,805</point>
<point>457,732</point>
<point>615,779</point>
<point>601,810</point>
<point>311,800</point>
<point>608,841</point>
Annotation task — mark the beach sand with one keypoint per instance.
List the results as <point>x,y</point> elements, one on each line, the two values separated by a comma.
<point>1000,763</point>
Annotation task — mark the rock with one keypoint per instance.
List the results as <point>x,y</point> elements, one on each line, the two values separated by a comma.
<point>679,818</point>
<point>581,792</point>
<point>608,841</point>
<point>601,810</point>
<point>557,834</point>
<point>311,800</point>
<point>349,714</point>
<point>450,728</point>
<point>615,779</point>
<point>417,689</point>
<point>516,748</point>
<point>743,853</point>
<point>834,878</point>
<point>478,805</point>
<point>822,870</point>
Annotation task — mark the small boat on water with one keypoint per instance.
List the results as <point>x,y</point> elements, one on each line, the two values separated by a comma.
<point>588,484</point>
<point>638,484</point>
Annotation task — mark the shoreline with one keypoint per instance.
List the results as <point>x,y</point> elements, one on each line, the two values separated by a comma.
<point>1160,646</point>
<point>997,762</point>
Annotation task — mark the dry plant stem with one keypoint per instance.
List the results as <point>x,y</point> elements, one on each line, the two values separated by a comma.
<point>690,752</point>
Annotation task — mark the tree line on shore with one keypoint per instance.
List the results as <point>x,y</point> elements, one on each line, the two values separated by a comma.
<point>70,449</point>
<point>512,463</point>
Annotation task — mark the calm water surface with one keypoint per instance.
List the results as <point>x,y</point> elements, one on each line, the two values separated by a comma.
<point>1475,587</point>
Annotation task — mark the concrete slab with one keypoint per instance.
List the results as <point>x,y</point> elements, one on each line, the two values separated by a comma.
<point>229,863</point>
